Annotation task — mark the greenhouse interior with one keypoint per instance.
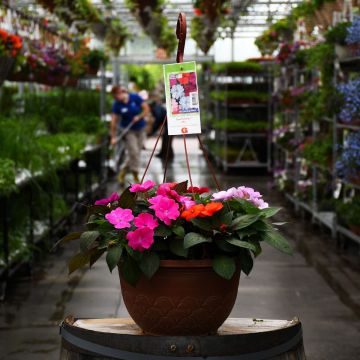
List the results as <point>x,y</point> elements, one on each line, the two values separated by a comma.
<point>179,179</point>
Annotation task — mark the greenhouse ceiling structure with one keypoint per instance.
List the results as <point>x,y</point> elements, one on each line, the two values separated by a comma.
<point>251,16</point>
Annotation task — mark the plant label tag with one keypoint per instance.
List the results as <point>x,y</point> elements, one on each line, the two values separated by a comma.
<point>182,98</point>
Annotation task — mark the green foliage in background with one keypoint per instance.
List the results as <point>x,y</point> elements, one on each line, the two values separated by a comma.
<point>337,34</point>
<point>237,66</point>
<point>7,176</point>
<point>239,95</point>
<point>147,76</point>
<point>240,125</point>
<point>319,151</point>
<point>348,212</point>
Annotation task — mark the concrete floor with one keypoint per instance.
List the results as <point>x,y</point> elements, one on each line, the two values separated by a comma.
<point>280,287</point>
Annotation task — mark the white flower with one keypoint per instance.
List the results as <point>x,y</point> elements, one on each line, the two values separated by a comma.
<point>177,91</point>
<point>185,103</point>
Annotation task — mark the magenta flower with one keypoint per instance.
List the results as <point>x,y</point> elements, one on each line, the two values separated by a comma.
<point>146,186</point>
<point>140,239</point>
<point>166,189</point>
<point>120,218</point>
<point>165,209</point>
<point>113,197</point>
<point>145,220</point>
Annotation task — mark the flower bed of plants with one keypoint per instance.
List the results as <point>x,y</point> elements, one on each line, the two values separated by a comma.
<point>36,152</point>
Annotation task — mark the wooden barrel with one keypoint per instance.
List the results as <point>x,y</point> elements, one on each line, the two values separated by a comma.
<point>237,339</point>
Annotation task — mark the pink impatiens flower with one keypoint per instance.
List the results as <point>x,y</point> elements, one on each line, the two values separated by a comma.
<point>146,186</point>
<point>140,239</point>
<point>146,220</point>
<point>113,197</point>
<point>120,218</point>
<point>165,209</point>
<point>186,201</point>
<point>242,192</point>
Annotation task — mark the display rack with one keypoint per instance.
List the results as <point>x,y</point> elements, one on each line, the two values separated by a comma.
<point>292,171</point>
<point>240,122</point>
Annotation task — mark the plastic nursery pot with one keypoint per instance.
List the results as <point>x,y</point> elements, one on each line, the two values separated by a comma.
<point>184,297</point>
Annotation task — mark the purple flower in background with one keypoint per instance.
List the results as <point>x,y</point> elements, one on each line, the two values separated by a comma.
<point>353,33</point>
<point>348,165</point>
<point>351,95</point>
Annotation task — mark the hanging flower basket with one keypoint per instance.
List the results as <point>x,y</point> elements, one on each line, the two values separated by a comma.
<point>179,250</point>
<point>6,67</point>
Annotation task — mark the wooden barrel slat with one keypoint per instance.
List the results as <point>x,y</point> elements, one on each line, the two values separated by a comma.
<point>237,339</point>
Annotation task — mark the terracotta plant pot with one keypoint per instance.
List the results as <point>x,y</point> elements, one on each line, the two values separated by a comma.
<point>185,297</point>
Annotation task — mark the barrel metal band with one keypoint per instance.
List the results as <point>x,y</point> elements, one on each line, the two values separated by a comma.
<point>126,355</point>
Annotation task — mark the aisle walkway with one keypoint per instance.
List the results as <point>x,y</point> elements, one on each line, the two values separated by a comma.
<point>280,287</point>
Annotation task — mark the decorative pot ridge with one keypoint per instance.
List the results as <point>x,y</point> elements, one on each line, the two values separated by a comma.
<point>196,301</point>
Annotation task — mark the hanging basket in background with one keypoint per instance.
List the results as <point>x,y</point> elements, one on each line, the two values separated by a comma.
<point>6,67</point>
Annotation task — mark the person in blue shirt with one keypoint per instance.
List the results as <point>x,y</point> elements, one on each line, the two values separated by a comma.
<point>129,108</point>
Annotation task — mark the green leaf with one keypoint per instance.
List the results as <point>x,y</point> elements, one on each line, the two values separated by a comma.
<point>181,188</point>
<point>127,199</point>
<point>244,221</point>
<point>268,212</point>
<point>97,209</point>
<point>242,244</point>
<point>244,205</point>
<point>224,266</point>
<point>225,246</point>
<point>162,231</point>
<point>87,239</point>
<point>227,217</point>
<point>70,237</point>
<point>179,231</point>
<point>203,224</point>
<point>94,257</point>
<point>257,246</point>
<point>177,247</point>
<point>113,256</point>
<point>246,233</point>
<point>261,225</point>
<point>149,264</point>
<point>78,261</point>
<point>192,239</point>
<point>275,239</point>
<point>130,270</point>
<point>246,261</point>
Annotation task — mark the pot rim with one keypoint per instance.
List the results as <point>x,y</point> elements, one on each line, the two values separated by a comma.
<point>202,263</point>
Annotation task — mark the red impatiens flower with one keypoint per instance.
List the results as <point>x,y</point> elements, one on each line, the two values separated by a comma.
<point>211,208</point>
<point>198,190</point>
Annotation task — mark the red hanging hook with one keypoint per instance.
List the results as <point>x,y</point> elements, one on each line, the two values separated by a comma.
<point>181,36</point>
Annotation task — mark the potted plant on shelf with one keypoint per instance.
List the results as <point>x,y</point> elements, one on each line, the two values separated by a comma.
<point>348,214</point>
<point>10,47</point>
<point>179,251</point>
